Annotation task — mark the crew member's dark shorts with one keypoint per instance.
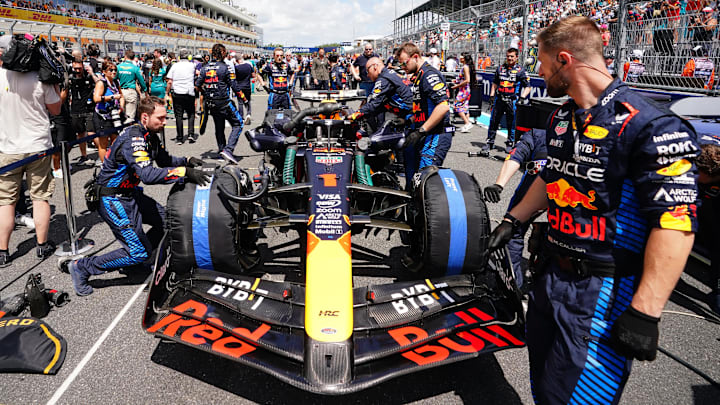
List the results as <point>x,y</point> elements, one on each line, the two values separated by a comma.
<point>83,123</point>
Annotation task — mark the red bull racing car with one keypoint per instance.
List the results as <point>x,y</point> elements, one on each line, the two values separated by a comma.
<point>326,335</point>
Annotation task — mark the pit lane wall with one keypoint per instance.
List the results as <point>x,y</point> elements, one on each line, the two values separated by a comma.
<point>77,24</point>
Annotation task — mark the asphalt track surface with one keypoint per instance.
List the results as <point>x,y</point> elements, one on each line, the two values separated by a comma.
<point>110,359</point>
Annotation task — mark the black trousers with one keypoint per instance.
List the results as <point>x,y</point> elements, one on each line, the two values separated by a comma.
<point>184,103</point>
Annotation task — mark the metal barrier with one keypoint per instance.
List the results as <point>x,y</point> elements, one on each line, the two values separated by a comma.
<point>665,39</point>
<point>74,245</point>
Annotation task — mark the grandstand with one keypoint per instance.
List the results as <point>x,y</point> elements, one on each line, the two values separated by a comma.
<point>142,25</point>
<point>667,33</point>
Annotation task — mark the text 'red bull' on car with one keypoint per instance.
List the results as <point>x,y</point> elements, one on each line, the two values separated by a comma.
<point>324,335</point>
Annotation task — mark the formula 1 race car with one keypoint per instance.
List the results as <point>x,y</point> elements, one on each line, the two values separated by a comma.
<point>323,335</point>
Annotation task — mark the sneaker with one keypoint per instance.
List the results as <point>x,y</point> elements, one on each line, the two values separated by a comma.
<point>57,174</point>
<point>43,252</point>
<point>179,141</point>
<point>228,157</point>
<point>466,128</point>
<point>85,161</point>
<point>79,279</point>
<point>248,119</point>
<point>24,220</point>
<point>5,259</point>
<point>192,138</point>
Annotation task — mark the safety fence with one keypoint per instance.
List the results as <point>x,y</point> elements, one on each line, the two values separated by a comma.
<point>74,245</point>
<point>112,37</point>
<point>653,44</point>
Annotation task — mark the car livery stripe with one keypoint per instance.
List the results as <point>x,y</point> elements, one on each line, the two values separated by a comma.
<point>329,291</point>
<point>458,221</point>
<point>201,239</point>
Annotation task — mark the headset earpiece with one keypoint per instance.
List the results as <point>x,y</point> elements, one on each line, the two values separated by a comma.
<point>563,62</point>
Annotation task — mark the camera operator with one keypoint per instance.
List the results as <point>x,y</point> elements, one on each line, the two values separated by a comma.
<point>82,106</point>
<point>25,131</point>
<point>123,205</point>
<point>703,27</point>
<point>93,52</point>
<point>109,103</point>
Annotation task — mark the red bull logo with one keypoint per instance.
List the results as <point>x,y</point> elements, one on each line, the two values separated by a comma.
<point>281,79</point>
<point>678,218</point>
<point>506,83</point>
<point>211,73</point>
<point>566,195</point>
<point>567,224</point>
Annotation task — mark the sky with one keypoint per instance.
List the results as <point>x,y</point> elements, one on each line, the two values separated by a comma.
<point>313,22</point>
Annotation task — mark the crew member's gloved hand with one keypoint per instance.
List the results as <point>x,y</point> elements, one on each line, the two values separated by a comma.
<point>492,193</point>
<point>267,89</point>
<point>500,236</point>
<point>413,138</point>
<point>355,115</point>
<point>524,101</point>
<point>194,162</point>
<point>635,334</point>
<point>196,176</point>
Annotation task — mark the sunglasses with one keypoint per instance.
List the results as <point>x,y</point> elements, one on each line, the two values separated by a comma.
<point>112,70</point>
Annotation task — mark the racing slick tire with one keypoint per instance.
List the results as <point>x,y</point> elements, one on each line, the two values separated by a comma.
<point>201,223</point>
<point>451,223</point>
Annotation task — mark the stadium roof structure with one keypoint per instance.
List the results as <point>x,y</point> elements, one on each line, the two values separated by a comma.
<point>442,7</point>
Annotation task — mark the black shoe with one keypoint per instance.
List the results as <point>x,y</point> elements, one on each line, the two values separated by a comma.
<point>5,259</point>
<point>192,138</point>
<point>45,251</point>
<point>179,141</point>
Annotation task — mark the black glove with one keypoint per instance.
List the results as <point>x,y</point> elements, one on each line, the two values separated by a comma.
<point>266,88</point>
<point>196,176</point>
<point>500,236</point>
<point>524,101</point>
<point>413,138</point>
<point>635,334</point>
<point>194,162</point>
<point>492,193</point>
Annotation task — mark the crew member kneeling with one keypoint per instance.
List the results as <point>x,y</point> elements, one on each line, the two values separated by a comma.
<point>122,203</point>
<point>620,187</point>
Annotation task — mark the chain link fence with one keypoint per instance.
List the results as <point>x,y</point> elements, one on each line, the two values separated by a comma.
<point>663,44</point>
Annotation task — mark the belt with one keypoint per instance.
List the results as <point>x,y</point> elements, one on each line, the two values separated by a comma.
<point>584,267</point>
<point>112,191</point>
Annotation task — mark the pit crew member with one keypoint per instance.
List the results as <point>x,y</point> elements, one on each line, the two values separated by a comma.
<point>615,246</point>
<point>123,206</point>
<point>431,138</point>
<point>215,81</point>
<point>279,75</point>
<point>338,74</point>
<point>530,156</point>
<point>390,93</point>
<point>509,79</point>
<point>709,212</point>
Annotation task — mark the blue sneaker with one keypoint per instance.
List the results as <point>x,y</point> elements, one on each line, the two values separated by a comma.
<point>79,279</point>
